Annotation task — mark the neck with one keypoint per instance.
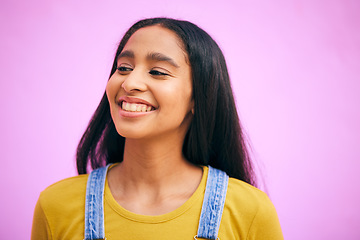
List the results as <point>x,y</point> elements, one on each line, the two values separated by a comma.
<point>152,172</point>
<point>153,161</point>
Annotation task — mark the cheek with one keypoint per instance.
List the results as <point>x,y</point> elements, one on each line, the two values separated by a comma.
<point>186,96</point>
<point>111,89</point>
<point>178,98</point>
<point>111,92</point>
<point>108,92</point>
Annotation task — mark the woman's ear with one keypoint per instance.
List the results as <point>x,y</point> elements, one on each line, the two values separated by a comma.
<point>192,106</point>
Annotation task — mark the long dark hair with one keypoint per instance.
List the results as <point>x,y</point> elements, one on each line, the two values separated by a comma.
<point>215,136</point>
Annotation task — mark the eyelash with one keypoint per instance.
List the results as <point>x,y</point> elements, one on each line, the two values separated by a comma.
<point>123,71</point>
<point>157,73</point>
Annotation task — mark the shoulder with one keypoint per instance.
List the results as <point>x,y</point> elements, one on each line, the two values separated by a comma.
<point>247,200</point>
<point>59,212</point>
<point>251,211</point>
<point>242,192</point>
<point>70,185</point>
<point>57,196</point>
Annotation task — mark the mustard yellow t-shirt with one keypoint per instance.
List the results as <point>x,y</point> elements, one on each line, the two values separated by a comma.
<point>248,214</point>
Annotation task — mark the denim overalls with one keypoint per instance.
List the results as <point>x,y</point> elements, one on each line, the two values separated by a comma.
<point>211,212</point>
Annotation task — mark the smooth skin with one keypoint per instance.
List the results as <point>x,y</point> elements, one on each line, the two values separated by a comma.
<point>154,177</point>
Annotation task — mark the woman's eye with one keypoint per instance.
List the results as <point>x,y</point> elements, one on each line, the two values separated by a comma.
<point>124,70</point>
<point>157,73</point>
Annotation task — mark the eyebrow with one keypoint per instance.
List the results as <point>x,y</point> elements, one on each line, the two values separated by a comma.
<point>154,56</point>
<point>129,54</point>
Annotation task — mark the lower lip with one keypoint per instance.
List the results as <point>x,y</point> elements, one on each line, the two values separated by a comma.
<point>127,114</point>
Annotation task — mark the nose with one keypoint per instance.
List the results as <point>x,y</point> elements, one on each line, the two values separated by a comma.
<point>134,82</point>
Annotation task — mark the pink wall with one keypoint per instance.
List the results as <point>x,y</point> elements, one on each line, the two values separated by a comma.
<point>295,68</point>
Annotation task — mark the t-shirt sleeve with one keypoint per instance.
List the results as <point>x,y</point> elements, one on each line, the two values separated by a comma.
<point>265,224</point>
<point>40,225</point>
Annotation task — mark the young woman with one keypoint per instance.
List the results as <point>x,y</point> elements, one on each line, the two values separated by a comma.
<point>165,125</point>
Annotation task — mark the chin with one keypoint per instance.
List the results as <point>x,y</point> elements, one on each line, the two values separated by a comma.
<point>132,133</point>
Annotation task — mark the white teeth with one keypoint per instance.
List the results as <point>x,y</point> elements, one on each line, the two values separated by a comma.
<point>135,107</point>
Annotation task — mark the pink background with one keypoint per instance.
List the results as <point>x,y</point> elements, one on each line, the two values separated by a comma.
<point>295,69</point>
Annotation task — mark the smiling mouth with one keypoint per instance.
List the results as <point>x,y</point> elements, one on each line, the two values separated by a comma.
<point>136,107</point>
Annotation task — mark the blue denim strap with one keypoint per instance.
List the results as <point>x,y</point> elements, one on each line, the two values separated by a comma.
<point>94,205</point>
<point>213,204</point>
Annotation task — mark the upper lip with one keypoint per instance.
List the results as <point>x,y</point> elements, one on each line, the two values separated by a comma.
<point>134,100</point>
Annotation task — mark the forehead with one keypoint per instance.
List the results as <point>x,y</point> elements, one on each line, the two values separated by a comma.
<point>155,39</point>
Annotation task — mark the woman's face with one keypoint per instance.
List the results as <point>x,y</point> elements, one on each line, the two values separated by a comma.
<point>150,93</point>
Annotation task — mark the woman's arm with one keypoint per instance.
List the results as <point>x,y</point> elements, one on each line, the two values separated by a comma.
<point>40,226</point>
<point>265,224</point>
